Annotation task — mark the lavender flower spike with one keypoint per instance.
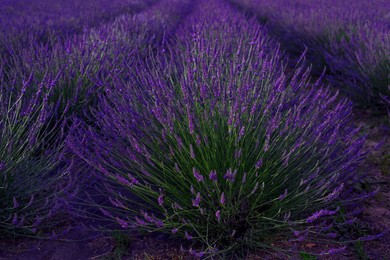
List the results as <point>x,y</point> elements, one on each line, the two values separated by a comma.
<point>218,215</point>
<point>213,175</point>
<point>321,213</point>
<point>196,201</point>
<point>197,175</point>
<point>223,199</point>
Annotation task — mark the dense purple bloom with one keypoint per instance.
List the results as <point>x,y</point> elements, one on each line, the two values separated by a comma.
<point>222,200</point>
<point>259,163</point>
<point>321,213</point>
<point>160,200</point>
<point>230,175</point>
<point>196,201</point>
<point>218,215</point>
<point>121,222</point>
<point>213,175</point>
<point>197,175</point>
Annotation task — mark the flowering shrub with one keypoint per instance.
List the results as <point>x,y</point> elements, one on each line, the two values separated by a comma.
<point>350,38</point>
<point>83,62</point>
<point>64,78</point>
<point>217,144</point>
<point>33,182</point>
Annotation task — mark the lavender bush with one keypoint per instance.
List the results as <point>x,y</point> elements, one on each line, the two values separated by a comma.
<point>34,184</point>
<point>217,144</point>
<point>350,38</point>
<point>83,62</point>
<point>63,80</point>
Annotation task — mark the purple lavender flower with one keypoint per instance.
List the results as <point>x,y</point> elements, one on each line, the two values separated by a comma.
<point>242,132</point>
<point>213,175</point>
<point>230,175</point>
<point>121,222</point>
<point>333,251</point>
<point>179,142</point>
<point>116,203</point>
<point>335,194</point>
<point>192,152</point>
<point>106,213</point>
<point>321,213</point>
<point>222,199</point>
<point>199,254</point>
<point>187,236</point>
<point>197,175</point>
<point>372,237</point>
<point>243,181</point>
<point>140,222</point>
<point>218,215</point>
<point>196,201</point>
<point>177,167</point>
<point>158,223</point>
<point>238,153</point>
<point>198,140</point>
<point>160,200</point>
<point>259,163</point>
<point>283,196</point>
<point>147,217</point>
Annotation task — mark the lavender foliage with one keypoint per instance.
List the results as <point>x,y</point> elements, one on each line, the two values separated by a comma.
<point>214,141</point>
<point>35,186</point>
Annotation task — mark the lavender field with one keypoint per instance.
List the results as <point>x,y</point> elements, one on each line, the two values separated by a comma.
<point>183,129</point>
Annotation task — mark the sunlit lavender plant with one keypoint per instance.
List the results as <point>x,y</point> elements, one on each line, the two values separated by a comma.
<point>218,145</point>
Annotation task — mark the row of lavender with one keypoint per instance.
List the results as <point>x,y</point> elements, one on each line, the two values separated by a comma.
<point>24,22</point>
<point>215,143</point>
<point>41,87</point>
<point>351,38</point>
<point>210,139</point>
